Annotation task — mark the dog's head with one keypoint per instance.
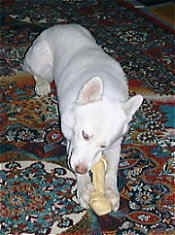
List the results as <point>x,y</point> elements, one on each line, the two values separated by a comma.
<point>98,123</point>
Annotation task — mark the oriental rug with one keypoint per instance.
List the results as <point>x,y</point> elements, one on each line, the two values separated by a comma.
<point>37,189</point>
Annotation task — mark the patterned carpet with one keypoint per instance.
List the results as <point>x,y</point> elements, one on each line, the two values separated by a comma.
<point>38,191</point>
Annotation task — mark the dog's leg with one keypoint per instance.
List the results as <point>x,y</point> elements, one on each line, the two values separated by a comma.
<point>84,189</point>
<point>113,157</point>
<point>42,86</point>
<point>39,62</point>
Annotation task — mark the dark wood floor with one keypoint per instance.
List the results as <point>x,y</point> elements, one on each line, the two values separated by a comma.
<point>152,2</point>
<point>165,11</point>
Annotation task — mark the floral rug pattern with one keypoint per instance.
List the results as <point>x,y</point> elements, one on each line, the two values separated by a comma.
<point>37,190</point>
<point>37,197</point>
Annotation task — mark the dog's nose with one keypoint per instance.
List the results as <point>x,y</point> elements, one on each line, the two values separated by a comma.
<point>81,169</point>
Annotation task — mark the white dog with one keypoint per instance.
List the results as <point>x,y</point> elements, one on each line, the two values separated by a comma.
<point>93,100</point>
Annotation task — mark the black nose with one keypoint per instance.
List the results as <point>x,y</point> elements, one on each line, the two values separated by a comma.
<point>81,169</point>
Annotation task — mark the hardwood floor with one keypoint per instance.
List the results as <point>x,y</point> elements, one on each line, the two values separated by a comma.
<point>165,12</point>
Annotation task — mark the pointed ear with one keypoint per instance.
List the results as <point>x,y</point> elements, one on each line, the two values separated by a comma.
<point>132,105</point>
<point>92,91</point>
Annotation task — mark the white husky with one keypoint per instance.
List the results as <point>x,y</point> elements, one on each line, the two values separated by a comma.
<point>93,100</point>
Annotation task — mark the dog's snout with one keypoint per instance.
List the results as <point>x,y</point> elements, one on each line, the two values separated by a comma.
<point>81,169</point>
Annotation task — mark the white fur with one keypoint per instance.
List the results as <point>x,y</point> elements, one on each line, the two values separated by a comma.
<point>93,99</point>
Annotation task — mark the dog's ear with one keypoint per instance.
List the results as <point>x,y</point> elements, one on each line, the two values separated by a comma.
<point>131,106</point>
<point>91,91</point>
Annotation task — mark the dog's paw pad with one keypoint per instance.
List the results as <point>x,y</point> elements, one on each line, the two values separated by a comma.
<point>84,203</point>
<point>42,87</point>
<point>84,196</point>
<point>114,198</point>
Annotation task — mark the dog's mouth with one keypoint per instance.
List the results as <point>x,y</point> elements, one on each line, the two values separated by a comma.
<point>81,167</point>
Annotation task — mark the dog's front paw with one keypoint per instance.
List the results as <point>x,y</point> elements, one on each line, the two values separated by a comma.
<point>114,198</point>
<point>42,87</point>
<point>84,195</point>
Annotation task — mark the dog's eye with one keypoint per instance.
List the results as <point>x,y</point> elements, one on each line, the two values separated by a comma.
<point>85,135</point>
<point>103,146</point>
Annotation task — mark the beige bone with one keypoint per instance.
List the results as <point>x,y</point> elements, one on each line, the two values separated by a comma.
<point>98,201</point>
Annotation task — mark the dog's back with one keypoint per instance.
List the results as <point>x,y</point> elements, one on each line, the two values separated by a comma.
<point>69,55</point>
